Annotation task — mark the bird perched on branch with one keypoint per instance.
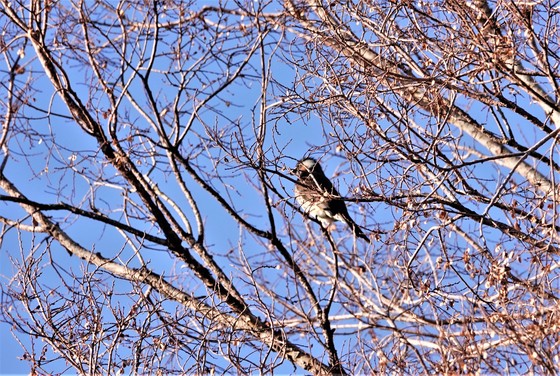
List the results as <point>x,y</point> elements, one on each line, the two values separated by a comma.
<point>319,198</point>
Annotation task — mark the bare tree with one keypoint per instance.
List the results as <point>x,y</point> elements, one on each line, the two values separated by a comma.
<point>152,143</point>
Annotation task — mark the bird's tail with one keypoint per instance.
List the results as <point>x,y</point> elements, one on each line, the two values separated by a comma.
<point>345,217</point>
<point>359,233</point>
<point>356,229</point>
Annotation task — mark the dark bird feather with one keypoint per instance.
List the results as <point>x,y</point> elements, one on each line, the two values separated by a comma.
<point>319,198</point>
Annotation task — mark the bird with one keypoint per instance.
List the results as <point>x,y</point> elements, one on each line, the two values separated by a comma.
<point>319,199</point>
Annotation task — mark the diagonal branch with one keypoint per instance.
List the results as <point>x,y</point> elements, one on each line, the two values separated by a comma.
<point>340,39</point>
<point>243,321</point>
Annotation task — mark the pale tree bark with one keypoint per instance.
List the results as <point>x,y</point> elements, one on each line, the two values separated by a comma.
<point>470,68</point>
<point>406,78</point>
<point>166,214</point>
<point>147,196</point>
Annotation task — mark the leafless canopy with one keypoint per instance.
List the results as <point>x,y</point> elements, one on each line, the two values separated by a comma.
<point>146,196</point>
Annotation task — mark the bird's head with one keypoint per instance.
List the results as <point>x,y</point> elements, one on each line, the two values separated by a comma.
<point>306,167</point>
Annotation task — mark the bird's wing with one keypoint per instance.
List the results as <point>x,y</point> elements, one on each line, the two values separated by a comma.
<point>324,184</point>
<point>336,205</point>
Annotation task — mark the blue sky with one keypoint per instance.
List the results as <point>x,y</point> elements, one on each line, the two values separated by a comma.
<point>40,176</point>
<point>38,169</point>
